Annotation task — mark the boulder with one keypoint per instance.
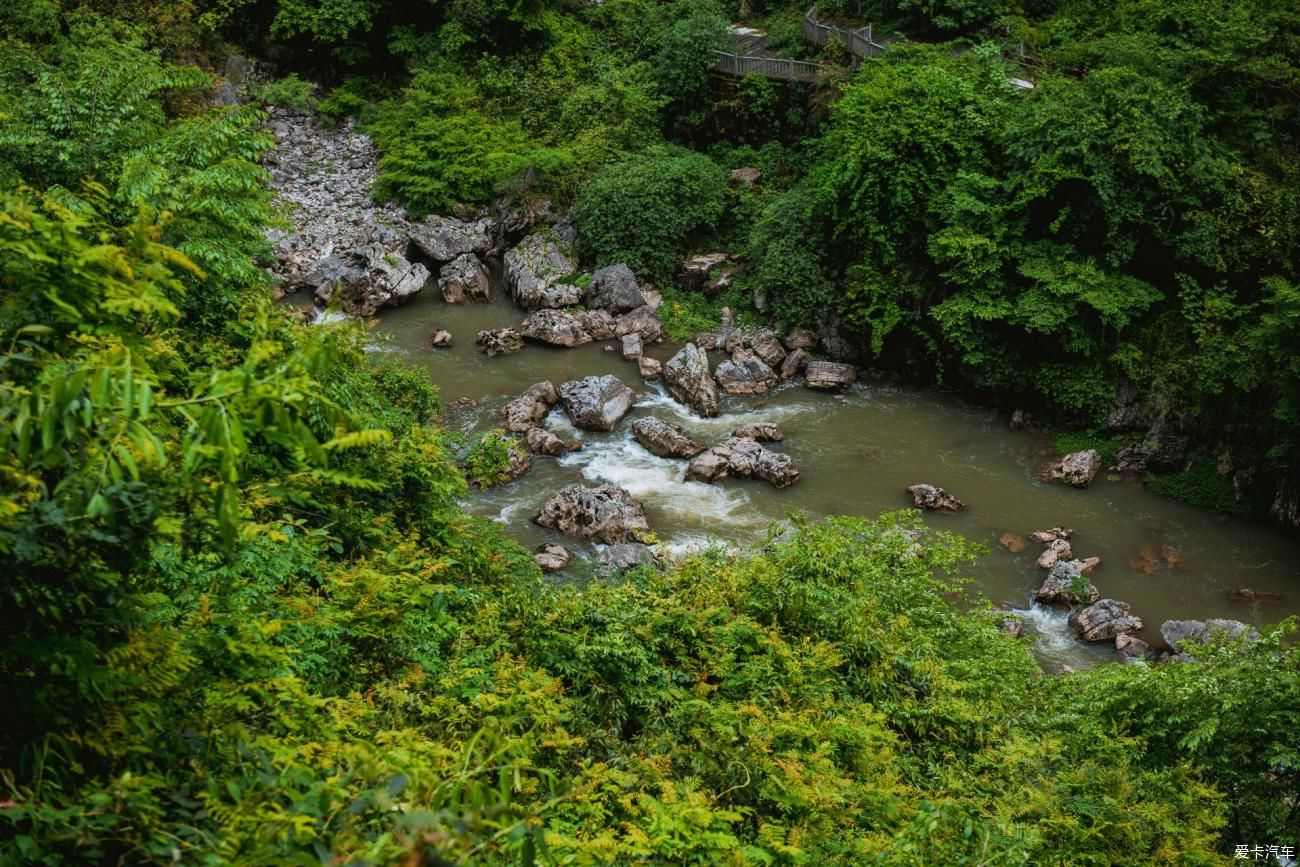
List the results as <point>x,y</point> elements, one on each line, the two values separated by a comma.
<point>1064,586</point>
<point>362,280</point>
<point>745,373</point>
<point>1012,626</point>
<point>615,289</point>
<point>767,346</point>
<point>743,458</point>
<point>499,341</point>
<point>934,499</point>
<point>552,558</point>
<point>1103,620</point>
<point>695,272</point>
<point>518,462</point>
<point>644,321</point>
<point>649,368</point>
<point>463,279</point>
<point>556,327</point>
<point>440,339</point>
<point>1181,635</point>
<point>688,380</point>
<point>631,347</point>
<point>762,431</point>
<point>604,514</point>
<point>1056,550</point>
<point>527,411</point>
<point>1077,469</point>
<point>829,375</point>
<point>744,177</point>
<point>1161,451</point>
<point>596,402</point>
<point>833,340</point>
<point>1044,536</point>
<point>665,439</point>
<point>1130,647</point>
<point>714,339</point>
<point>624,557</point>
<point>598,324</point>
<point>535,272</point>
<point>444,239</point>
<point>800,338</point>
<point>795,363</point>
<point>540,441</point>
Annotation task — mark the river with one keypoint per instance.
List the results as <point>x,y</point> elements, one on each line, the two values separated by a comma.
<point>856,456</point>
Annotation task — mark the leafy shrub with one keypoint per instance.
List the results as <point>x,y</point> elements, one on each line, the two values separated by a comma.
<point>1201,485</point>
<point>644,209</point>
<point>488,459</point>
<point>290,92</point>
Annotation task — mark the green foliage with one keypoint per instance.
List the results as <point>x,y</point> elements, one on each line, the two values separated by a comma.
<point>1202,485</point>
<point>290,92</point>
<point>440,148</point>
<point>684,61</point>
<point>488,460</point>
<point>644,209</point>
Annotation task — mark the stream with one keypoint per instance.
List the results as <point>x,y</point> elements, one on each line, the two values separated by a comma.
<point>856,456</point>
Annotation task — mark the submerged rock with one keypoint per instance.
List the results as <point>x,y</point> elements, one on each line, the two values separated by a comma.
<point>624,557</point>
<point>934,499</point>
<point>665,439</point>
<point>604,514</point>
<point>596,402</point>
<point>1013,542</point>
<point>463,279</point>
<point>1076,469</point>
<point>688,380</point>
<point>500,341</point>
<point>1103,620</point>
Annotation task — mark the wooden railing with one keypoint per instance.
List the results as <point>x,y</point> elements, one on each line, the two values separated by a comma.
<point>858,41</point>
<point>770,67</point>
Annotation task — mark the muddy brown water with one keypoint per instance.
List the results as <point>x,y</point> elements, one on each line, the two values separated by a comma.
<point>856,456</point>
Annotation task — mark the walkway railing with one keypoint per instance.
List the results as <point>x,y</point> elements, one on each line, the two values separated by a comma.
<point>858,41</point>
<point>771,67</point>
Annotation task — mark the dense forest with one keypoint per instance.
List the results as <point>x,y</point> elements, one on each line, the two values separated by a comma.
<point>246,619</point>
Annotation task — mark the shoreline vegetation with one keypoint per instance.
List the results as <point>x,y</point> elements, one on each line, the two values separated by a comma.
<point>245,618</point>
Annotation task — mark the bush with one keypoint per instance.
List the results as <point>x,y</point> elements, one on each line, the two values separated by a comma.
<point>290,92</point>
<point>644,209</point>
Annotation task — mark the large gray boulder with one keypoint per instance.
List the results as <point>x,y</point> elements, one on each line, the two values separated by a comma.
<point>362,280</point>
<point>596,402</point>
<point>540,441</point>
<point>615,289</point>
<point>556,327</point>
<point>665,439</point>
<point>535,272</point>
<point>1181,635</point>
<point>463,279</point>
<point>1103,620</point>
<point>745,373</point>
<point>795,363</point>
<point>599,324</point>
<point>746,459</point>
<point>763,431</point>
<point>829,375</point>
<point>444,239</point>
<point>688,380</point>
<point>1076,469</point>
<point>604,514</point>
<point>529,409</point>
<point>624,557</point>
